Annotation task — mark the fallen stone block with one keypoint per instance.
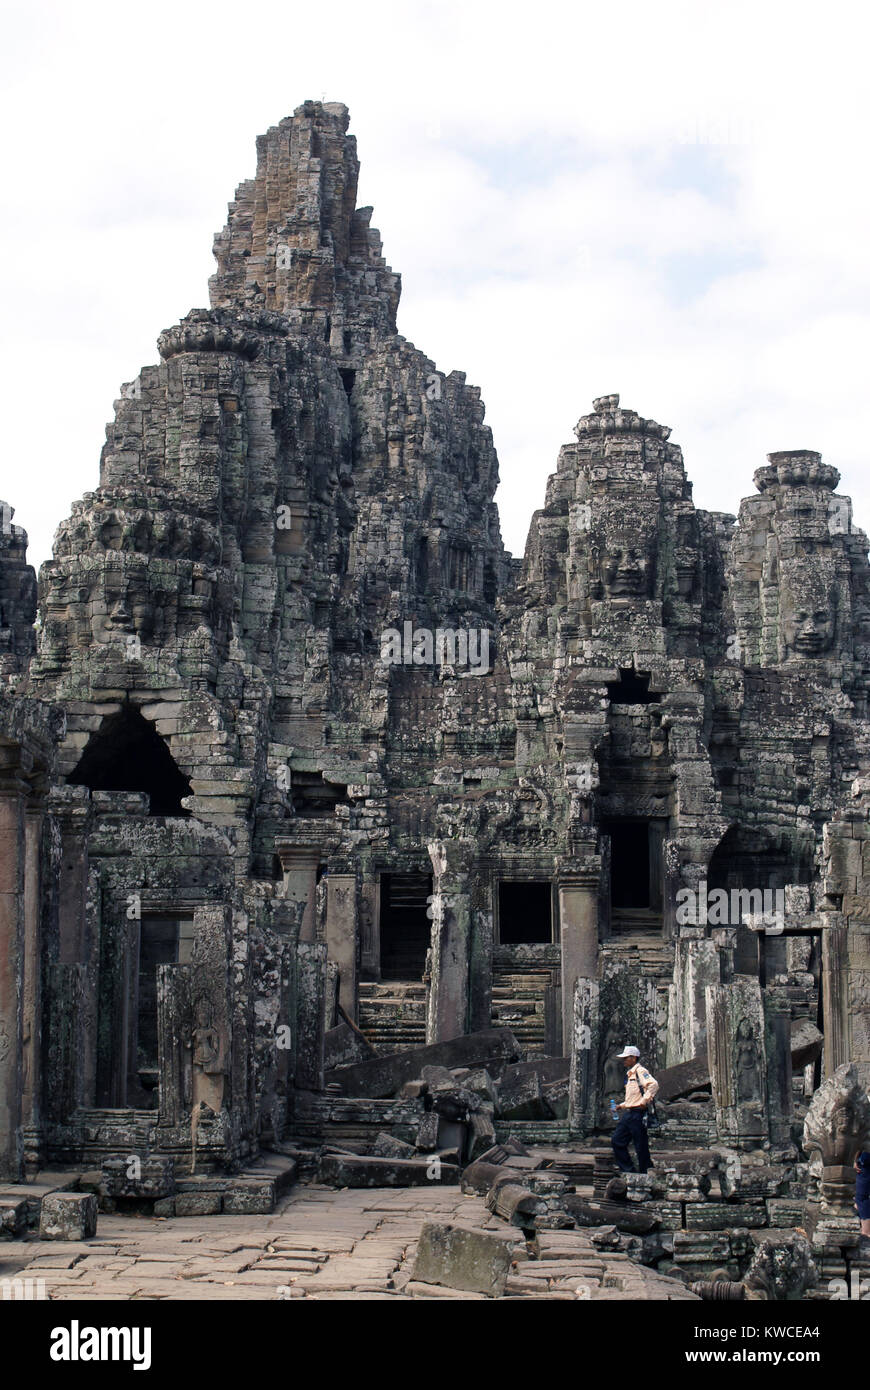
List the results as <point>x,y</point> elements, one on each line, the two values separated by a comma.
<point>454,1103</point>
<point>509,1148</point>
<point>385,1146</point>
<point>628,1218</point>
<point>68,1216</point>
<point>697,1251</point>
<point>481,1133</point>
<point>549,1069</point>
<point>785,1212</point>
<point>337,1170</point>
<point>462,1257</point>
<point>427,1132</point>
<point>480,1175</point>
<point>523,1099</point>
<point>514,1203</point>
<point>13,1217</point>
<point>481,1084</point>
<point>343,1045</point>
<point>720,1216</point>
<point>743,1180</point>
<point>555,1094</point>
<point>381,1077</point>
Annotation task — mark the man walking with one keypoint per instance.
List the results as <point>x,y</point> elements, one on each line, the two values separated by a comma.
<point>640,1087</point>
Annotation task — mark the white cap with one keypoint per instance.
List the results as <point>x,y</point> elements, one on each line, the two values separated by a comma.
<point>629,1052</point>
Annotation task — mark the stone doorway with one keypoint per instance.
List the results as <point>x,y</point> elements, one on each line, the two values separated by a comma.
<point>405,927</point>
<point>636,874</point>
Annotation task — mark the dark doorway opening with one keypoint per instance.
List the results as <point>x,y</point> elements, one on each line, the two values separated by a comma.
<point>405,928</point>
<point>163,940</point>
<point>128,755</point>
<point>525,912</point>
<point>629,864</point>
<point>636,874</point>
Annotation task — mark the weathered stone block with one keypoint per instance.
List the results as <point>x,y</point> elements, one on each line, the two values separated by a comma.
<point>385,1146</point>
<point>461,1257</point>
<point>68,1216</point>
<point>250,1199</point>
<point>13,1218</point>
<point>344,1170</point>
<point>721,1216</point>
<point>133,1177</point>
<point>523,1099</point>
<point>198,1203</point>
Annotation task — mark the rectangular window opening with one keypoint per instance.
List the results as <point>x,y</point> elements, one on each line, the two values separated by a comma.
<point>525,912</point>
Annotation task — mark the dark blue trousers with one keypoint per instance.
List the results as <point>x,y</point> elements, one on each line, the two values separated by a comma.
<point>631,1130</point>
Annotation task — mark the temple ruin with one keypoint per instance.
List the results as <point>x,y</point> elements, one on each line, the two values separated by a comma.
<point>303,773</point>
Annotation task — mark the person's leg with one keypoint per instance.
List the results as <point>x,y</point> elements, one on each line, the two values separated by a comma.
<point>865,1226</point>
<point>641,1143</point>
<point>619,1143</point>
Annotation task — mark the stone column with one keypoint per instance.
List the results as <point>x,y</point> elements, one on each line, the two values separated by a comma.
<point>835,995</point>
<point>583,1078</point>
<point>79,923</point>
<point>13,790</point>
<point>174,1043</point>
<point>738,1061</point>
<point>31,1022</point>
<point>299,864</point>
<point>310,984</point>
<point>696,965</point>
<point>370,926</point>
<point>777,1042</point>
<point>341,937</point>
<point>71,807</point>
<point>578,927</point>
<point>451,935</point>
<point>217,1056</point>
<point>480,959</point>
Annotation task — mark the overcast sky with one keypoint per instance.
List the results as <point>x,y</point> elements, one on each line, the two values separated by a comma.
<point>666,200</point>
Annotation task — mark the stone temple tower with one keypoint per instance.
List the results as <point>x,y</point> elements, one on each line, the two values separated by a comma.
<point>296,752</point>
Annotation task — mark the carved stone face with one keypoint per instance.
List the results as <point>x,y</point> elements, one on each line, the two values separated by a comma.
<point>808,616</point>
<point>120,604</point>
<point>626,570</point>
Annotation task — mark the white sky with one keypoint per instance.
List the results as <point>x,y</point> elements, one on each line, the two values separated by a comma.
<point>666,200</point>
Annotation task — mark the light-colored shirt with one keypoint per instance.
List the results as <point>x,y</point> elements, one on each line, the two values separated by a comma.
<point>640,1086</point>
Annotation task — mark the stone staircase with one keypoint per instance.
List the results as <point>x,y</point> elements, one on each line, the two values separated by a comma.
<point>522,1001</point>
<point>392,1014</point>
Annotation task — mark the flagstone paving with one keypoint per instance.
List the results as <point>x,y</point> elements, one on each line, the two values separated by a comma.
<point>317,1244</point>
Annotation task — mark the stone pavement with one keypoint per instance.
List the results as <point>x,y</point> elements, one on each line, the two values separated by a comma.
<point>318,1244</point>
